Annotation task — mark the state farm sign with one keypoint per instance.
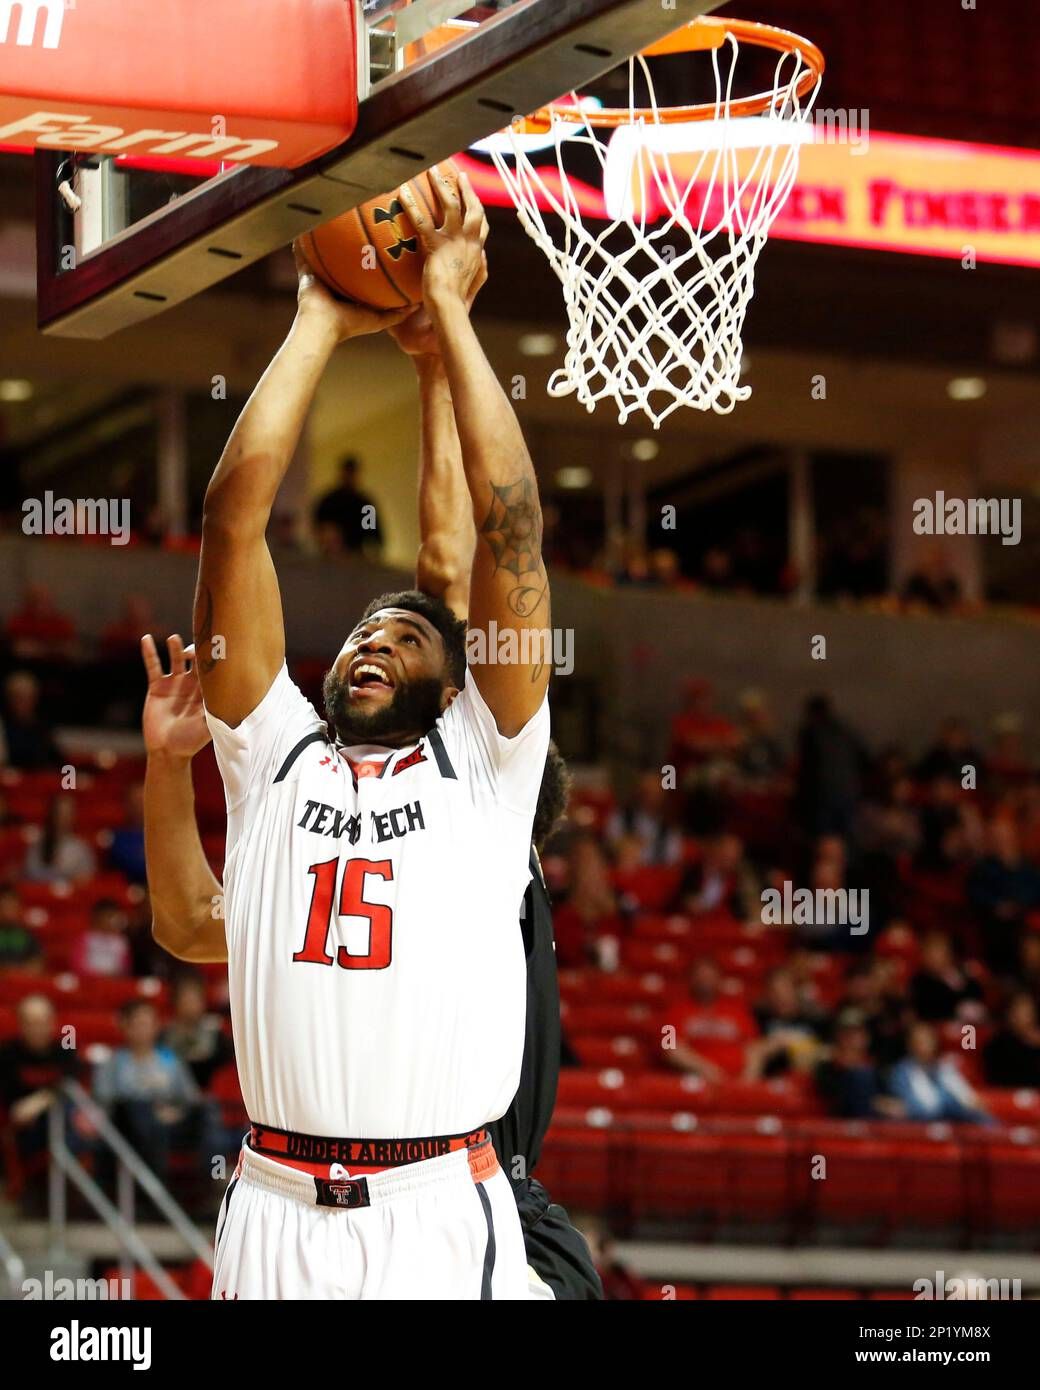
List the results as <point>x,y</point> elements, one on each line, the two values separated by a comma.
<point>251,81</point>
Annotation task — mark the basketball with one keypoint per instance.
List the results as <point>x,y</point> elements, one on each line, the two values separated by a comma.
<point>371,254</point>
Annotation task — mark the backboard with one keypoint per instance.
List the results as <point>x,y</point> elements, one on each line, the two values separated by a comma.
<point>434,77</point>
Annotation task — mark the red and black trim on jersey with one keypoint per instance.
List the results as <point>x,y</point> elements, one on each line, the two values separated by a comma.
<point>410,760</point>
<point>402,764</point>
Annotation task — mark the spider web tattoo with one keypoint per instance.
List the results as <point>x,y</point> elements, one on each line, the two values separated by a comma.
<point>513,532</point>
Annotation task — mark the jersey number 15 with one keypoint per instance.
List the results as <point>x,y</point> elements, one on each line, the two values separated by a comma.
<point>352,903</point>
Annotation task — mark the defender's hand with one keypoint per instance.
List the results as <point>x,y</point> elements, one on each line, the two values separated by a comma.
<point>341,317</point>
<point>173,721</point>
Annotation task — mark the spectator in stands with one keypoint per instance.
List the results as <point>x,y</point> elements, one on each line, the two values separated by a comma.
<point>720,882</point>
<point>19,949</point>
<point>760,756</point>
<point>1007,764</point>
<point>699,732</point>
<point>124,688</point>
<point>755,565</point>
<point>149,1092</point>
<point>950,754</point>
<point>831,764</point>
<point>8,819</point>
<point>665,570</point>
<point>38,629</point>
<point>888,827</point>
<point>854,556</point>
<point>195,1035</point>
<point>126,852</point>
<point>929,1086</point>
<point>121,638</point>
<point>790,1031</point>
<point>712,1030</point>
<point>933,583</point>
<point>27,737</point>
<point>950,830</point>
<point>147,957</point>
<point>1004,889</point>
<point>643,817</point>
<point>588,924</point>
<point>620,1284</point>
<point>59,855</point>
<point>350,512</point>
<point>888,837</point>
<point>848,1081</point>
<point>329,540</point>
<point>942,989</point>
<point>828,875</point>
<point>1012,1056</point>
<point>103,948</point>
<point>872,992</point>
<point>634,569</point>
<point>32,1068</point>
<point>717,570</point>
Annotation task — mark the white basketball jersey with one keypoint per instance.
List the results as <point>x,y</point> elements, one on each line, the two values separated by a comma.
<point>376,967</point>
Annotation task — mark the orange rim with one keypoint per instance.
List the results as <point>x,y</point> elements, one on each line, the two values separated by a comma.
<point>698,36</point>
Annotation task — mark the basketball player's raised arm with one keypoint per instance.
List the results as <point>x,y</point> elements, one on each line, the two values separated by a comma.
<point>509,587</point>
<point>239,633</point>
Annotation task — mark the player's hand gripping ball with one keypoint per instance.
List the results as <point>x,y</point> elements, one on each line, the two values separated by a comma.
<point>372,254</point>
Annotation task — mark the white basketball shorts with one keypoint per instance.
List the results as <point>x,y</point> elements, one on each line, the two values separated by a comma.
<point>432,1230</point>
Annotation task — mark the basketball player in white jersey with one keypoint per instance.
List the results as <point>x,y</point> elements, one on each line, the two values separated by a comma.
<point>376,860</point>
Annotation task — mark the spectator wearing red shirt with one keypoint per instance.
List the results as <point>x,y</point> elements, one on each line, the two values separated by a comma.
<point>125,685</point>
<point>712,1030</point>
<point>39,628</point>
<point>589,924</point>
<point>698,732</point>
<point>121,639</point>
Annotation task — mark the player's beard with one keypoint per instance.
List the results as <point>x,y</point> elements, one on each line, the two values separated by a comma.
<point>412,712</point>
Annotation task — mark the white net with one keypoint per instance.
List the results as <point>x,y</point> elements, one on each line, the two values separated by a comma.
<point>656,296</point>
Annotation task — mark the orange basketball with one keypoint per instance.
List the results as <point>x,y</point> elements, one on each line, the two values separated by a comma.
<point>372,253</point>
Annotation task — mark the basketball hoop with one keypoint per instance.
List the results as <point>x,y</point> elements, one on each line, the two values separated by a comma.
<point>656,299</point>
